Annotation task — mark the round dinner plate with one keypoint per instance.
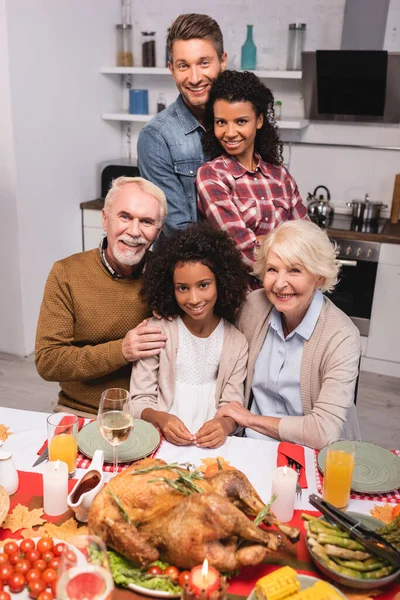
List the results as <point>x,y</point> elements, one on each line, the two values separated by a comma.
<point>142,441</point>
<point>154,593</point>
<point>376,469</point>
<point>306,581</point>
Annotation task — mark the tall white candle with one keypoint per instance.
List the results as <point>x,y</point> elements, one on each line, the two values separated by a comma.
<point>55,488</point>
<point>284,487</point>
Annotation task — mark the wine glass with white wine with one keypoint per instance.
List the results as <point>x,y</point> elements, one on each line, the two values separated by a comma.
<point>115,419</point>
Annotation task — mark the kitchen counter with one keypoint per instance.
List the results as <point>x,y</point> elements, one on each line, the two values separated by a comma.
<point>390,233</point>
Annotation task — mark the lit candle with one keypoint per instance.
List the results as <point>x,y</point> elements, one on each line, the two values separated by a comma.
<point>284,487</point>
<point>204,579</point>
<point>55,488</point>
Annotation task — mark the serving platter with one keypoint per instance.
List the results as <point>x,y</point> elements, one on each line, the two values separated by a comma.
<point>376,469</point>
<point>142,441</point>
<point>153,593</point>
<point>306,581</point>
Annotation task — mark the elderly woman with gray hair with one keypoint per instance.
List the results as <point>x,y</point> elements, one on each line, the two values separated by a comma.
<point>303,351</point>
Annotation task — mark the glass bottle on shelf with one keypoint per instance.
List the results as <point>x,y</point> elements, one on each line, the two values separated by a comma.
<point>297,34</point>
<point>124,45</point>
<point>278,110</point>
<point>166,50</point>
<point>148,48</point>
<point>161,102</point>
<point>249,52</point>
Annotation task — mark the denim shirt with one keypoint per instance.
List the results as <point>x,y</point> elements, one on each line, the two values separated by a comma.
<point>169,154</point>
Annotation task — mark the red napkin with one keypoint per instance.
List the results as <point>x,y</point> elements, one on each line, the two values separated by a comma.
<point>81,422</point>
<point>288,450</point>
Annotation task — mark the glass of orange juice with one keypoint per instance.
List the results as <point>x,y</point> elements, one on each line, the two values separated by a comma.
<point>338,472</point>
<point>62,437</point>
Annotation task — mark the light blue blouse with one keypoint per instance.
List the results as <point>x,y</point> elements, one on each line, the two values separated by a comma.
<point>276,382</point>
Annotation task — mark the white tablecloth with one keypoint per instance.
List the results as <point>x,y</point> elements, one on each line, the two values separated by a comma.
<point>256,458</point>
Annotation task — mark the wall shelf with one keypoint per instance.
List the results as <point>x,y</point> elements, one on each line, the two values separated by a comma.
<point>126,117</point>
<point>165,71</point>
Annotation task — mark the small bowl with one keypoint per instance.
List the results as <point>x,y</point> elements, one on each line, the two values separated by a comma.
<point>352,582</point>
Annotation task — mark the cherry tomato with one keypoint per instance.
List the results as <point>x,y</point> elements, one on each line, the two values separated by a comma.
<point>5,596</point>
<point>58,548</point>
<point>32,555</point>
<point>16,582</point>
<point>1,585</point>
<point>11,547</point>
<point>27,544</point>
<point>4,559</point>
<point>46,596</point>
<point>33,574</point>
<point>54,563</point>
<point>5,572</point>
<point>40,564</point>
<point>154,570</point>
<point>45,544</point>
<point>184,578</point>
<point>14,558</point>
<point>36,587</point>
<point>47,556</point>
<point>172,572</point>
<point>70,556</point>
<point>49,575</point>
<point>23,566</point>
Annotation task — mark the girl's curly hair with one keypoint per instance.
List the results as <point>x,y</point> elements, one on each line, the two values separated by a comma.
<point>235,86</point>
<point>197,243</point>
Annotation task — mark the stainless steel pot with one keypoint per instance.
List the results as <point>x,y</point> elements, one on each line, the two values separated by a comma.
<point>364,211</point>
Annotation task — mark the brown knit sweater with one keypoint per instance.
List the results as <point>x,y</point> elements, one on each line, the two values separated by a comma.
<point>84,316</point>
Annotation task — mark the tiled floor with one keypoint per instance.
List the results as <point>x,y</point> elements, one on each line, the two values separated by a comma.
<point>378,400</point>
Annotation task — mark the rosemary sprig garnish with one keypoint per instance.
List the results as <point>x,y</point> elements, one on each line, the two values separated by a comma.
<point>183,483</point>
<point>121,508</point>
<point>171,467</point>
<point>264,512</point>
<point>175,484</point>
<point>219,464</point>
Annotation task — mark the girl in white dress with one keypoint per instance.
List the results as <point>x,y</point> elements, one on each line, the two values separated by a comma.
<point>195,280</point>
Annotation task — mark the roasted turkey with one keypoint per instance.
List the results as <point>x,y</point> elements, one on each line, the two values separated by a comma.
<point>157,511</point>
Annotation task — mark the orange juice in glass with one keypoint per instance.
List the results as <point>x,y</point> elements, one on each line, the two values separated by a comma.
<point>338,472</point>
<point>62,434</point>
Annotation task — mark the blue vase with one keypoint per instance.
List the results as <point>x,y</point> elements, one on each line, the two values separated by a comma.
<point>249,52</point>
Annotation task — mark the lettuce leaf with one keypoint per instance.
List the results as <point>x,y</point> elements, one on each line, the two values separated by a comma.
<point>125,572</point>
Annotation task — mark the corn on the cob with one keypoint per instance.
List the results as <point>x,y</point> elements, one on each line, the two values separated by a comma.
<point>277,585</point>
<point>319,591</point>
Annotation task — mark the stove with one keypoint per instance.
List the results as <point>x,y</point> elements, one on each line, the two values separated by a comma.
<point>359,259</point>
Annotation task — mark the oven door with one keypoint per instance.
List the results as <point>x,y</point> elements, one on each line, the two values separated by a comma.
<point>355,290</point>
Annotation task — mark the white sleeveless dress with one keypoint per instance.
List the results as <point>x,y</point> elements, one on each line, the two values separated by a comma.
<point>196,373</point>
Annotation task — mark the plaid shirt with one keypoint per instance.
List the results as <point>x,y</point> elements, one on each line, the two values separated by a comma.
<point>247,204</point>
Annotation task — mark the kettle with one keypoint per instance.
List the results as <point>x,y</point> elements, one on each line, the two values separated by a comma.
<point>319,209</point>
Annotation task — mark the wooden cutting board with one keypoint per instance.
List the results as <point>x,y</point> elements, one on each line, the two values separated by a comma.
<point>394,215</point>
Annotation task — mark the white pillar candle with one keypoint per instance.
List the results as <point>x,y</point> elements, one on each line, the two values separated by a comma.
<point>284,487</point>
<point>55,488</point>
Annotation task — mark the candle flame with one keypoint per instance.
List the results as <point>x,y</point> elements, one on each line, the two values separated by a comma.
<point>204,572</point>
<point>285,470</point>
<point>57,465</point>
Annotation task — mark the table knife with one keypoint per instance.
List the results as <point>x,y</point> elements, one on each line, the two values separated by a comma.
<point>374,542</point>
<point>42,457</point>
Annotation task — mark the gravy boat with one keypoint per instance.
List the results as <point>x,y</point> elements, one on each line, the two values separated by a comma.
<point>86,488</point>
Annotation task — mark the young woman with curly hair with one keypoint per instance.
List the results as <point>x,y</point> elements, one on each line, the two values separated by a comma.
<point>244,189</point>
<point>195,277</point>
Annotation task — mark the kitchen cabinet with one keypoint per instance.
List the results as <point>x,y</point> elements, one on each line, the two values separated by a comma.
<point>92,230</point>
<point>384,334</point>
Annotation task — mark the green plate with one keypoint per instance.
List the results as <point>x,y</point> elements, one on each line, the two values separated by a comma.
<point>376,469</point>
<point>142,441</point>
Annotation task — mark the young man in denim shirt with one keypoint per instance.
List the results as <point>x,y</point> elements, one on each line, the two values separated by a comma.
<point>169,146</point>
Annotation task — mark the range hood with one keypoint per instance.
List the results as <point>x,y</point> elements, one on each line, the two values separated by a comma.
<point>352,85</point>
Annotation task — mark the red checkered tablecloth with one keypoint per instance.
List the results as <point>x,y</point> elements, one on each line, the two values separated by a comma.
<point>393,497</point>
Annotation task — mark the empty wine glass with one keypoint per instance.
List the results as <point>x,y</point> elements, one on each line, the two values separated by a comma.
<point>115,419</point>
<point>84,570</point>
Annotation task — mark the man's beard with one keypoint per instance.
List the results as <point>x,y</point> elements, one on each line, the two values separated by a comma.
<point>130,257</point>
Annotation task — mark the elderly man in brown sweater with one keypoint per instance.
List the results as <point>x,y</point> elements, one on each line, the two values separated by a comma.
<point>93,322</point>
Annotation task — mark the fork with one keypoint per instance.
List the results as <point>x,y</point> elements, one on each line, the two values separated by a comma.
<point>294,465</point>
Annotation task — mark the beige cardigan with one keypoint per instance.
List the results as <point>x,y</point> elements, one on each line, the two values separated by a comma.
<point>153,379</point>
<point>329,370</point>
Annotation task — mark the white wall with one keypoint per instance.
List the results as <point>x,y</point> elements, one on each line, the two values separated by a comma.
<point>55,49</point>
